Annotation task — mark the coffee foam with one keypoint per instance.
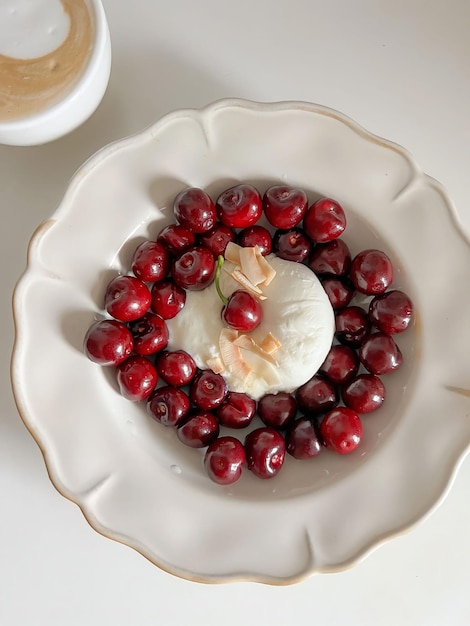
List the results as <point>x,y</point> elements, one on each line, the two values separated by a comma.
<point>29,86</point>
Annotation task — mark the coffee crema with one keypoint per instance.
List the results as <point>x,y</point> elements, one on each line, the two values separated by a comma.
<point>30,86</point>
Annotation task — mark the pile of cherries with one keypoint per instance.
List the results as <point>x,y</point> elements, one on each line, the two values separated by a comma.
<point>323,412</point>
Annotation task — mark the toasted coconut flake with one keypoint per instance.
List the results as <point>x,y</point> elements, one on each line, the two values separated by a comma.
<point>248,343</point>
<point>231,354</point>
<point>250,266</point>
<point>267,269</point>
<point>247,284</point>
<point>270,344</point>
<point>232,253</point>
<point>215,364</point>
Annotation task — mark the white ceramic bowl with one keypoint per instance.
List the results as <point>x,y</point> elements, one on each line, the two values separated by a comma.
<point>78,104</point>
<point>130,476</point>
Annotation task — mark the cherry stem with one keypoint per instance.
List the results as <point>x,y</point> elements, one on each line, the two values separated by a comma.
<point>220,262</point>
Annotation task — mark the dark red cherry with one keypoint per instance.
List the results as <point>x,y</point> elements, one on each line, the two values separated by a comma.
<point>195,210</point>
<point>317,395</point>
<point>199,430</point>
<point>324,221</point>
<point>176,239</point>
<point>371,272</point>
<point>224,460</point>
<point>352,326</point>
<point>151,261</point>
<point>340,365</point>
<point>176,368</point>
<point>243,311</point>
<point>256,236</point>
<point>208,390</point>
<point>332,258</point>
<point>364,394</point>
<point>108,342</point>
<point>240,206</point>
<point>168,405</point>
<point>277,410</point>
<point>391,312</point>
<point>341,430</point>
<point>284,206</point>
<point>168,298</point>
<point>237,410</point>
<point>217,239</point>
<point>127,298</point>
<point>302,441</point>
<point>380,354</point>
<point>194,269</point>
<point>150,334</point>
<point>265,452</point>
<point>137,378</point>
<point>340,292</point>
<point>292,245</point>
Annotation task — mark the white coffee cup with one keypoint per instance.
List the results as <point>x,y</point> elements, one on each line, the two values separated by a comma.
<point>56,58</point>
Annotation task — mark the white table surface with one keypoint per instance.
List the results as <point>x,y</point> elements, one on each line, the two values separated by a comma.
<point>401,68</point>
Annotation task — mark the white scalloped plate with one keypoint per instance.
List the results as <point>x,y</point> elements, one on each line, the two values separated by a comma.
<point>130,476</point>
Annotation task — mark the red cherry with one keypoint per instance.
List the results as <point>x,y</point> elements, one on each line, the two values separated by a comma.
<point>292,245</point>
<point>331,258</point>
<point>194,269</point>
<point>176,239</point>
<point>324,220</point>
<point>199,430</point>
<point>150,261</point>
<point>127,298</point>
<point>240,206</point>
<point>167,298</point>
<point>108,342</point>
<point>176,368</point>
<point>224,460</point>
<point>137,378</point>
<point>364,394</point>
<point>256,236</point>
<point>316,396</point>
<point>208,390</point>
<point>380,354</point>
<point>284,206</point>
<point>340,292</point>
<point>150,334</point>
<point>265,452</point>
<point>217,239</point>
<point>195,210</point>
<point>341,430</point>
<point>302,440</point>
<point>352,326</point>
<point>168,405</point>
<point>340,365</point>
<point>237,410</point>
<point>277,410</point>
<point>391,312</point>
<point>371,272</point>
<point>242,311</point>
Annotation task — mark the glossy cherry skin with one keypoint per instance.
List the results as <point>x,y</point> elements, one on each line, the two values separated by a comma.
<point>317,395</point>
<point>176,368</point>
<point>194,269</point>
<point>380,354</point>
<point>195,210</point>
<point>352,326</point>
<point>108,342</point>
<point>364,394</point>
<point>391,312</point>
<point>265,452</point>
<point>208,390</point>
<point>150,262</point>
<point>340,292</point>
<point>224,460</point>
<point>256,236</point>
<point>127,298</point>
<point>341,430</point>
<point>243,311</point>
<point>284,206</point>
<point>176,239</point>
<point>292,245</point>
<point>240,206</point>
<point>237,410</point>
<point>199,430</point>
<point>217,239</point>
<point>302,441</point>
<point>137,378</point>
<point>332,258</point>
<point>371,272</point>
<point>150,334</point>
<point>340,365</point>
<point>324,221</point>
<point>277,410</point>
<point>168,298</point>
<point>168,405</point>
